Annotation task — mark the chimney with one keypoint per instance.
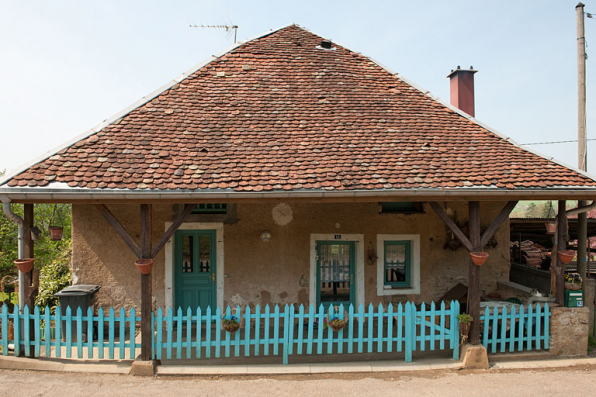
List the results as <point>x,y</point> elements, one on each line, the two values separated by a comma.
<point>462,89</point>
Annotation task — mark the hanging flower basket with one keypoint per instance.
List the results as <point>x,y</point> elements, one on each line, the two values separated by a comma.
<point>56,233</point>
<point>25,265</point>
<point>573,286</point>
<point>144,265</point>
<point>551,227</point>
<point>231,324</point>
<point>337,323</point>
<point>479,257</point>
<point>566,256</point>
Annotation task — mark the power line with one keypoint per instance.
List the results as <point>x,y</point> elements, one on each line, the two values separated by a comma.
<point>554,142</point>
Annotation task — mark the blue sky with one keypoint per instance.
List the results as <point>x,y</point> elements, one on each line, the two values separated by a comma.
<point>68,65</point>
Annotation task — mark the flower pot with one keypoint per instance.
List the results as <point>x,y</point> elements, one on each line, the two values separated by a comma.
<point>479,257</point>
<point>56,233</point>
<point>464,330</point>
<point>231,327</point>
<point>566,256</point>
<point>144,265</point>
<point>551,227</point>
<point>25,265</point>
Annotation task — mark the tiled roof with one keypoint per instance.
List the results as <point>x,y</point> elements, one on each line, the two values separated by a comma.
<point>279,113</point>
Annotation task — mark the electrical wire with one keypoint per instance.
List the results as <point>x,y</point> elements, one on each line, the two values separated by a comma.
<point>554,142</point>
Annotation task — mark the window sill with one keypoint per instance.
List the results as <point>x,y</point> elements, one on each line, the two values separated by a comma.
<point>399,291</point>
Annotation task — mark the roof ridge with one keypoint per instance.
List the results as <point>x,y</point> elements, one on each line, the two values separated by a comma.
<point>135,105</point>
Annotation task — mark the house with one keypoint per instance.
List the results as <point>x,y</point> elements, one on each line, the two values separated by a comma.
<point>290,169</point>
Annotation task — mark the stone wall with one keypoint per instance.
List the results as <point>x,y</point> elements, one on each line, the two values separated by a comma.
<point>569,331</point>
<point>277,271</point>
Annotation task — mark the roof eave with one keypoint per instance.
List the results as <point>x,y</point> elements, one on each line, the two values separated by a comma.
<point>73,195</point>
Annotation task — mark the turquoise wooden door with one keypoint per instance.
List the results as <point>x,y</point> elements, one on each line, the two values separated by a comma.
<point>195,269</point>
<point>335,273</point>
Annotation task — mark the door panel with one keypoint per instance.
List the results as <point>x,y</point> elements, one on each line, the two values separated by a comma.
<point>335,273</point>
<point>195,264</point>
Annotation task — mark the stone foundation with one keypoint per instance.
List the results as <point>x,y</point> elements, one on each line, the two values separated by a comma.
<point>569,331</point>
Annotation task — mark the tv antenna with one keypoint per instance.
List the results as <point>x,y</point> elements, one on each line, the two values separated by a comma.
<point>228,28</point>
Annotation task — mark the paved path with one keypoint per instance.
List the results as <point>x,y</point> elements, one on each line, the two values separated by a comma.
<point>576,381</point>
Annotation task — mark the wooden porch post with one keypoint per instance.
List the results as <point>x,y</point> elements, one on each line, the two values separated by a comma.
<point>146,286</point>
<point>561,246</point>
<point>474,273</point>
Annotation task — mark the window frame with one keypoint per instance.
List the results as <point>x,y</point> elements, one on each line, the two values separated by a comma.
<point>408,277</point>
<point>414,266</point>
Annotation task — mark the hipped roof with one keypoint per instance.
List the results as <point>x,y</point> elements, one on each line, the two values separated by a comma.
<point>279,113</point>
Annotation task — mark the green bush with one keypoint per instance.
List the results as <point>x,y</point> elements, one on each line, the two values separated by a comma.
<point>54,277</point>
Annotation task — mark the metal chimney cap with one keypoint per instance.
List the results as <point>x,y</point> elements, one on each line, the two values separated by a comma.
<point>460,70</point>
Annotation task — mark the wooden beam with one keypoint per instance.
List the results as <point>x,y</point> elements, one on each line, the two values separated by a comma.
<point>451,225</point>
<point>561,246</point>
<point>496,223</point>
<point>120,230</point>
<point>474,273</point>
<point>172,229</point>
<point>146,285</point>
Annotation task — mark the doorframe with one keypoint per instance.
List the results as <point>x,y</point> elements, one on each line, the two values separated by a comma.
<point>359,264</point>
<point>219,260</point>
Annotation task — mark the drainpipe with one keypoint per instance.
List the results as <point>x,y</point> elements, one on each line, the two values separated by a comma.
<point>7,208</point>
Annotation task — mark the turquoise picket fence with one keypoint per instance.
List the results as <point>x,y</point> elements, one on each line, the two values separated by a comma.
<point>515,329</point>
<point>289,331</point>
<point>66,335</point>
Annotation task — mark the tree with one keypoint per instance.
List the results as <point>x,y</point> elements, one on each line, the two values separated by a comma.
<point>47,252</point>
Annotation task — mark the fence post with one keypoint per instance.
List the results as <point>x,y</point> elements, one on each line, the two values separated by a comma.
<point>286,333</point>
<point>410,323</point>
<point>455,328</point>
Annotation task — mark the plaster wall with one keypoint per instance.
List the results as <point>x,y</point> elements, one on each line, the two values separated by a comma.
<point>277,271</point>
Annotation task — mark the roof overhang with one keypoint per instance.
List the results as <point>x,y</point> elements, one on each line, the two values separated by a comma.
<point>82,195</point>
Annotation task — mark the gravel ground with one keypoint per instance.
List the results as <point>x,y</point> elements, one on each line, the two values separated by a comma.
<point>554,382</point>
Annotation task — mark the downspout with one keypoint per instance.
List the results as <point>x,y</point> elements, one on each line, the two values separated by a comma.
<point>7,209</point>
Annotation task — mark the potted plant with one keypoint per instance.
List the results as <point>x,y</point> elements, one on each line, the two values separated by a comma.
<point>479,257</point>
<point>336,323</point>
<point>25,265</point>
<point>144,265</point>
<point>465,322</point>
<point>566,256</point>
<point>573,282</point>
<point>231,324</point>
<point>56,230</point>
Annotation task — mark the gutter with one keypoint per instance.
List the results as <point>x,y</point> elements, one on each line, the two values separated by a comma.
<point>7,209</point>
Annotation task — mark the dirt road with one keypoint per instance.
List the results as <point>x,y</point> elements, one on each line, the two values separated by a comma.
<point>578,381</point>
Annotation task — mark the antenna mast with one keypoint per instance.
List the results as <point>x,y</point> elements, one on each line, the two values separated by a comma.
<point>228,28</point>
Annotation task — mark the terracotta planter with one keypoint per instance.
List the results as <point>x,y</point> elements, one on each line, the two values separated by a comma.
<point>551,227</point>
<point>56,233</point>
<point>144,265</point>
<point>479,257</point>
<point>25,265</point>
<point>566,256</point>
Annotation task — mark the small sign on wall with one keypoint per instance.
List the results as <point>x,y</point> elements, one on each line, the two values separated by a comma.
<point>338,236</point>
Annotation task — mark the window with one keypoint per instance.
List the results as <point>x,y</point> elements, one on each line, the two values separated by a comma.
<point>406,207</point>
<point>398,265</point>
<point>211,209</point>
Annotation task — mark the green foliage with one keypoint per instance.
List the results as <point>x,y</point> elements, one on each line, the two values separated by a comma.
<point>47,252</point>
<point>464,318</point>
<point>54,277</point>
<point>591,344</point>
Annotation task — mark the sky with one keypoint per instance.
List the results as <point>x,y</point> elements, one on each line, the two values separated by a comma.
<point>68,65</point>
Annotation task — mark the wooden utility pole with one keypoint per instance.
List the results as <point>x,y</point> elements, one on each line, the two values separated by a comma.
<point>474,273</point>
<point>146,285</point>
<point>582,154</point>
<point>561,246</point>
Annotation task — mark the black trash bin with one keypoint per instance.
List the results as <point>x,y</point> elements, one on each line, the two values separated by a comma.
<point>76,296</point>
